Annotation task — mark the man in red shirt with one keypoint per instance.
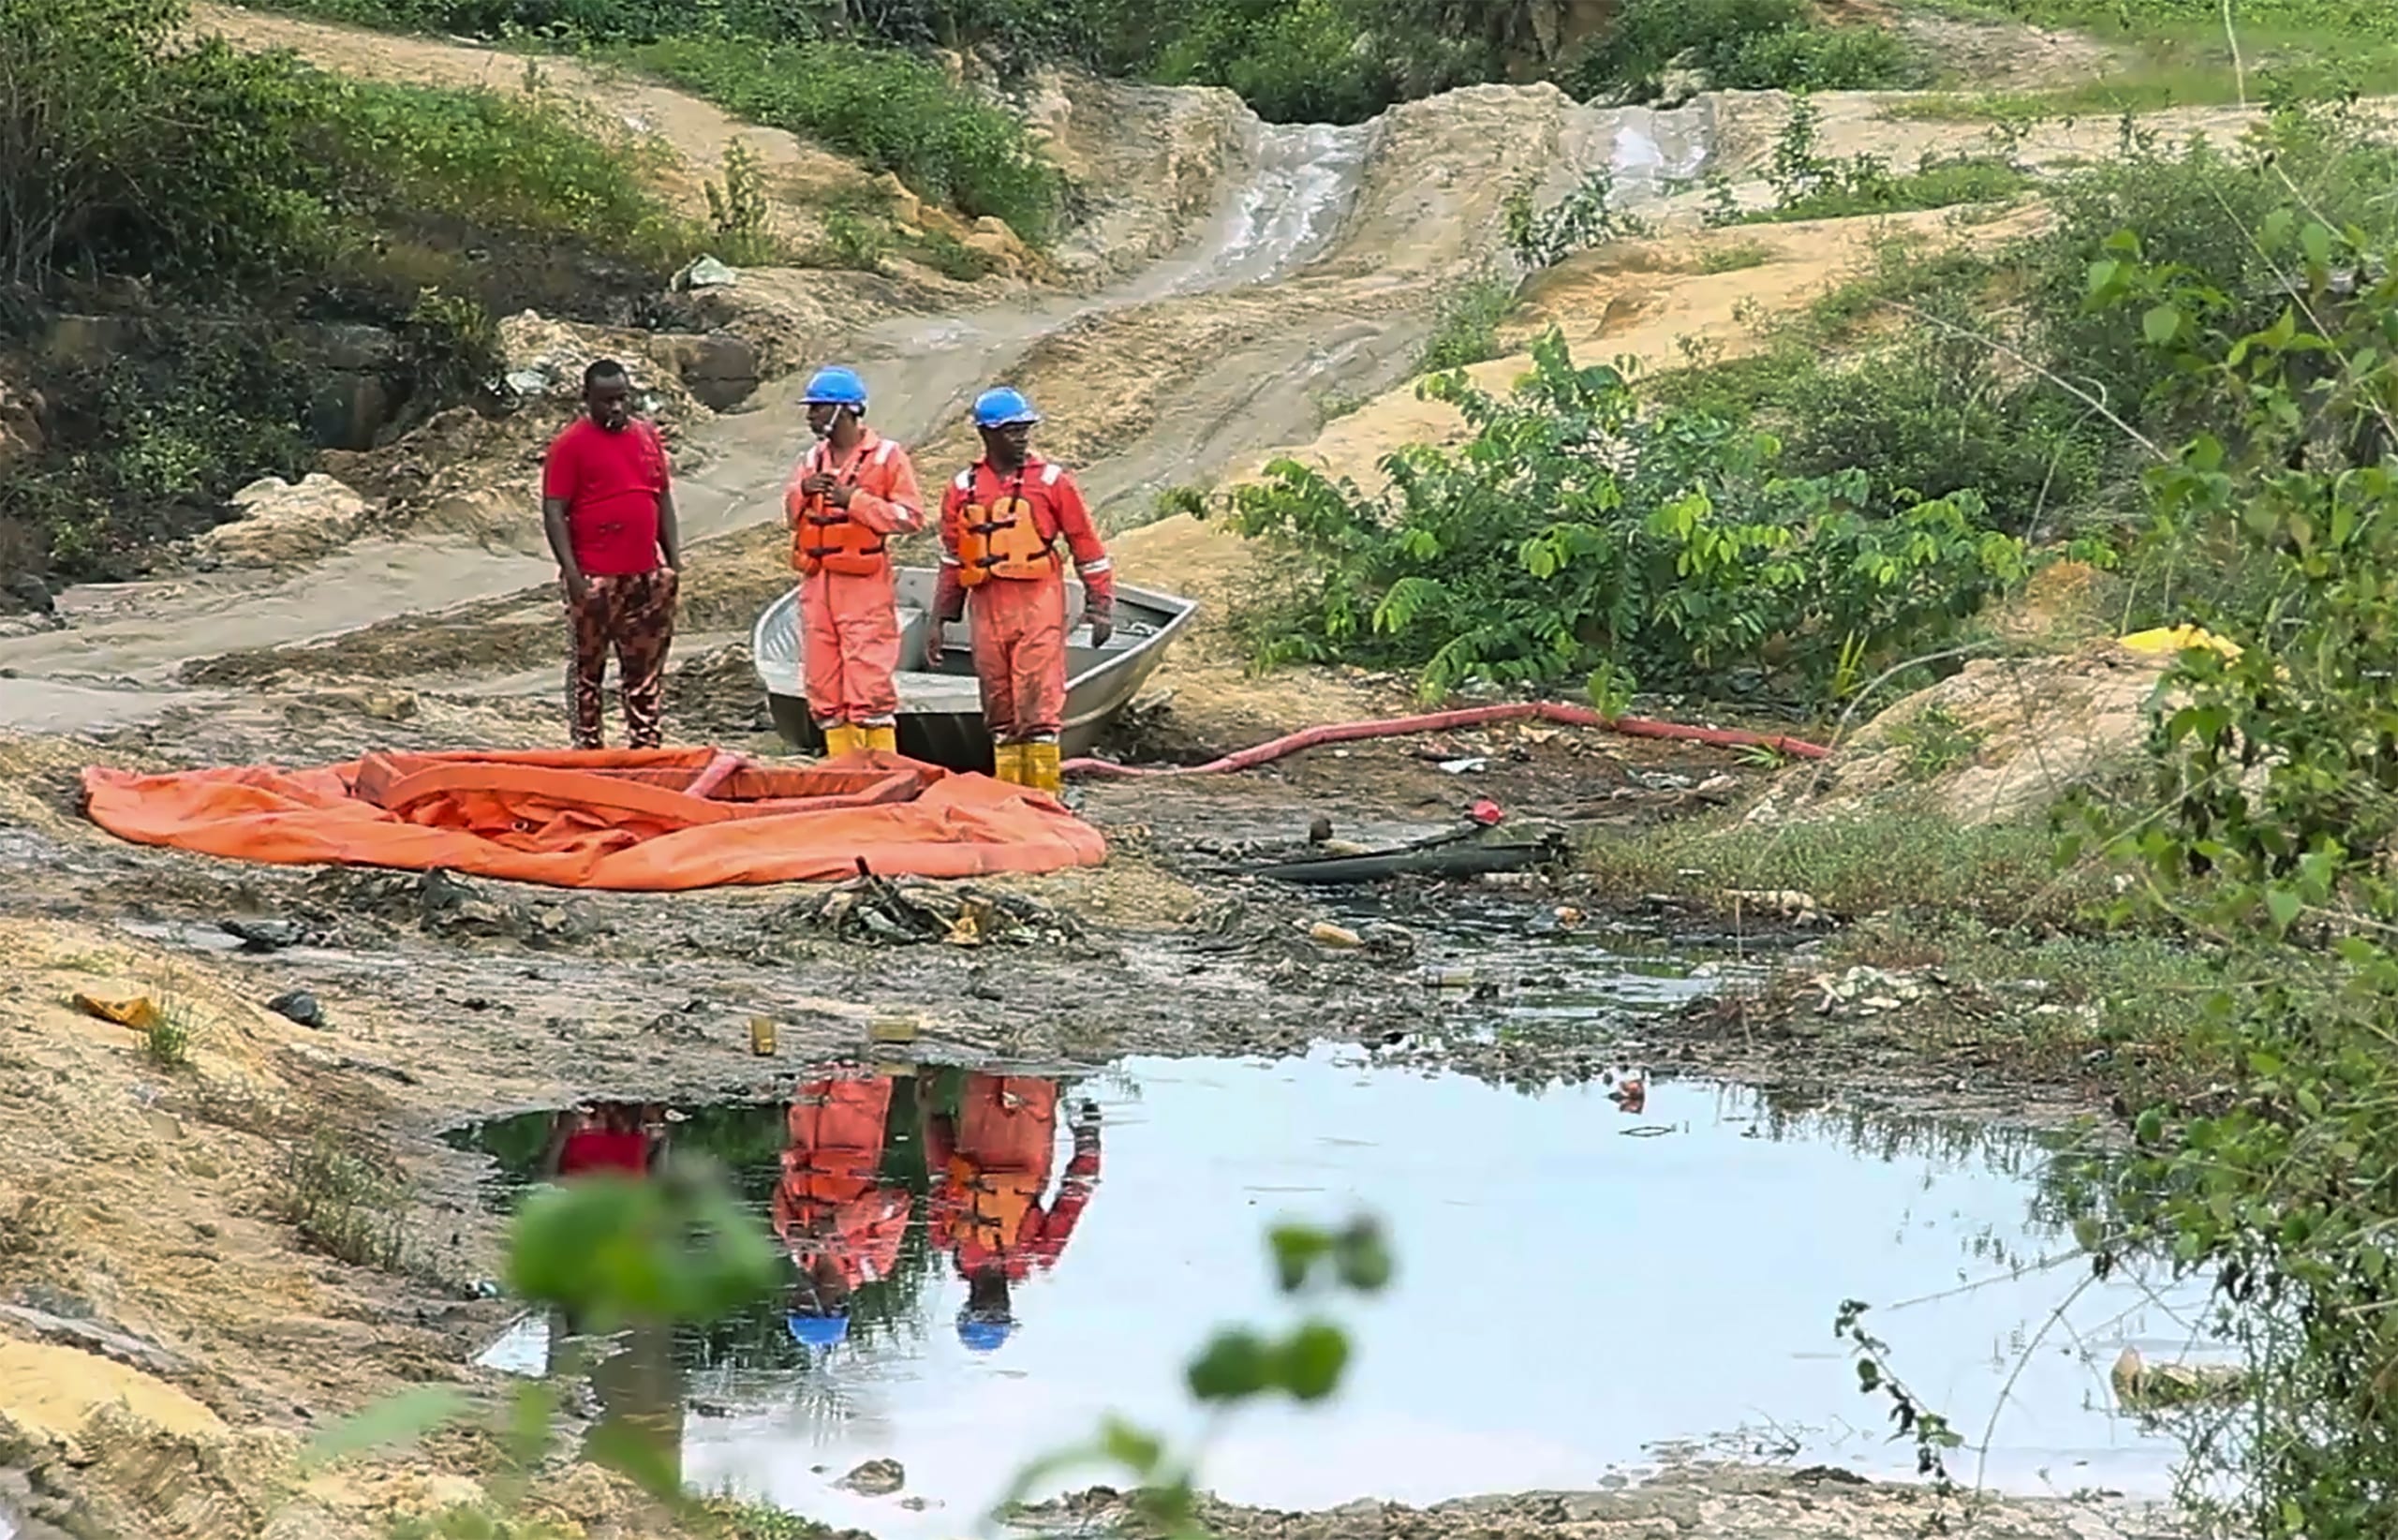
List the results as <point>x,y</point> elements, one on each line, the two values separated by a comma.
<point>608,505</point>
<point>1001,523</point>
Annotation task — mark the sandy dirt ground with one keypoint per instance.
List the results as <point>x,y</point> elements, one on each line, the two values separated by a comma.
<point>177,1336</point>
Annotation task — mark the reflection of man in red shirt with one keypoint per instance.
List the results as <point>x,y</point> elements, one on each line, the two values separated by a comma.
<point>990,1165</point>
<point>612,1136</point>
<point>841,1220</point>
<point>608,507</point>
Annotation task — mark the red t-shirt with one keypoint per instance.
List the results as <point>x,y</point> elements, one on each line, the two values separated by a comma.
<point>604,1150</point>
<point>610,484</point>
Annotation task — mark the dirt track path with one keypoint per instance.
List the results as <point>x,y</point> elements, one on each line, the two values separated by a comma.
<point>1273,279</point>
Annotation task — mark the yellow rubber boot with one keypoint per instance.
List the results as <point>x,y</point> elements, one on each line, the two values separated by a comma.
<point>1007,763</point>
<point>882,740</point>
<point>1040,771</point>
<point>841,738</point>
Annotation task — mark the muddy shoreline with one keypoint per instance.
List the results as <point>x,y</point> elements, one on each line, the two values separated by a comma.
<point>446,1003</point>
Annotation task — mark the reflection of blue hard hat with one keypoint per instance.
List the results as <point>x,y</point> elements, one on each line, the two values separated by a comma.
<point>981,1334</point>
<point>817,1331</point>
<point>836,387</point>
<point>1003,407</point>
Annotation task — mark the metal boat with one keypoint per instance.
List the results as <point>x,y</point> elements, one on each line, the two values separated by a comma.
<point>941,710</point>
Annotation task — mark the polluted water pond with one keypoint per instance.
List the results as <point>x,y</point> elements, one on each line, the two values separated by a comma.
<point>984,1264</point>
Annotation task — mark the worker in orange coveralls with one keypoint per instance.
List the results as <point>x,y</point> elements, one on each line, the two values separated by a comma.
<point>990,1164</point>
<point>841,1220</point>
<point>1000,520</point>
<point>848,494</point>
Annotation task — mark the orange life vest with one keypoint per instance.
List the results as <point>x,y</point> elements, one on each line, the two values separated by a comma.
<point>825,539</point>
<point>986,1211</point>
<point>1004,539</point>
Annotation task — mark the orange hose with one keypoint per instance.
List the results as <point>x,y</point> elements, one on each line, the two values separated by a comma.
<point>1548,711</point>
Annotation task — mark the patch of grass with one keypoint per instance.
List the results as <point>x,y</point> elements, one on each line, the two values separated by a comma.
<point>1938,184</point>
<point>344,1202</point>
<point>1918,864</point>
<point>1736,258</point>
<point>892,111</point>
<point>167,1041</point>
<point>2173,53</point>
<point>732,1518</point>
<point>1465,327</point>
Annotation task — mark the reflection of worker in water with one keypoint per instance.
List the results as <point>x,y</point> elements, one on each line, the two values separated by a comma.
<point>990,1164</point>
<point>618,1136</point>
<point>639,1384</point>
<point>842,1222</point>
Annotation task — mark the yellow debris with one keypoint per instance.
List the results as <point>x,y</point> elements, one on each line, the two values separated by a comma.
<point>2171,639</point>
<point>138,1011</point>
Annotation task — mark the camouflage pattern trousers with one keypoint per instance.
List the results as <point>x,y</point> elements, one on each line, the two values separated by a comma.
<point>634,616</point>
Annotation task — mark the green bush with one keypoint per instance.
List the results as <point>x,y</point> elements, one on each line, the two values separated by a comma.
<point>894,112</point>
<point>411,157</point>
<point>305,199</point>
<point>1465,328</point>
<point>1736,44</point>
<point>1573,531</point>
<point>2268,835</point>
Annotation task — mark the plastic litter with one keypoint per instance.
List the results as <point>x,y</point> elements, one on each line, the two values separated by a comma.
<point>707,272</point>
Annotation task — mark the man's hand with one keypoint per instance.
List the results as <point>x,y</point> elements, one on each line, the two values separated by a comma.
<point>840,497</point>
<point>817,484</point>
<point>1102,624</point>
<point>936,642</point>
<point>578,587</point>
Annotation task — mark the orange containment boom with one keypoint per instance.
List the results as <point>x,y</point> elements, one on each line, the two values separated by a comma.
<point>643,819</point>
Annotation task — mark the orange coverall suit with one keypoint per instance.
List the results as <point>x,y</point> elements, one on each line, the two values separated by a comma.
<point>998,535</point>
<point>991,1169</point>
<point>850,641</point>
<point>832,1200</point>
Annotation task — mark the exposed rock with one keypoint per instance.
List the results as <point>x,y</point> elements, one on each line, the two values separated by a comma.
<point>876,1478</point>
<point>91,1337</point>
<point>906,207</point>
<point>20,424</point>
<point>997,243</point>
<point>2025,732</point>
<point>719,368</point>
<point>276,521</point>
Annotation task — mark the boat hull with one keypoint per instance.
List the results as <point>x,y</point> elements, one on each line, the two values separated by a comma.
<point>941,712</point>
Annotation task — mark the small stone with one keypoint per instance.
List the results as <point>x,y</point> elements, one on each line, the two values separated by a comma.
<point>875,1478</point>
<point>299,1006</point>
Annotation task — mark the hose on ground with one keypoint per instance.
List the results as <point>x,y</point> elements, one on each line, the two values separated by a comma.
<point>1438,722</point>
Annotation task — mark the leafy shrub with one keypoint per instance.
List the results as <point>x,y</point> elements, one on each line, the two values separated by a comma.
<point>894,112</point>
<point>1293,61</point>
<point>101,167</point>
<point>1572,530</point>
<point>1584,218</point>
<point>1465,328</point>
<point>527,165</point>
<point>307,199</point>
<point>2269,835</point>
<point>1738,44</point>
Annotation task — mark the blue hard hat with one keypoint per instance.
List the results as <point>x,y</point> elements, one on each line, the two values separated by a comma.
<point>1002,406</point>
<point>836,387</point>
<point>817,1331</point>
<point>981,1334</point>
